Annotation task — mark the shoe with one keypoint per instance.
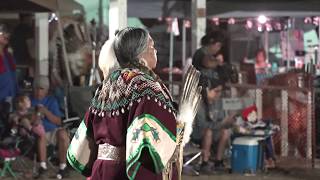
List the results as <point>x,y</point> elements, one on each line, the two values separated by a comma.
<point>270,164</point>
<point>219,165</point>
<point>62,173</point>
<point>207,169</point>
<point>189,171</point>
<point>41,173</point>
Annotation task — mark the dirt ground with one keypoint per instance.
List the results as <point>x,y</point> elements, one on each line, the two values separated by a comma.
<point>286,170</point>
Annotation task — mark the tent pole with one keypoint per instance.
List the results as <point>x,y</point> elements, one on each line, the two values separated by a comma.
<point>287,49</point>
<point>317,63</point>
<point>64,51</point>
<point>183,44</point>
<point>266,45</point>
<point>171,60</point>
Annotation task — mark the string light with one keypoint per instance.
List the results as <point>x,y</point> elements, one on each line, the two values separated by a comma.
<point>316,21</point>
<point>278,26</point>
<point>249,24</point>
<point>261,23</point>
<point>187,23</point>
<point>169,19</point>
<point>308,20</point>
<point>231,21</point>
<point>260,29</point>
<point>53,16</point>
<point>262,19</point>
<point>268,27</point>
<point>216,21</point>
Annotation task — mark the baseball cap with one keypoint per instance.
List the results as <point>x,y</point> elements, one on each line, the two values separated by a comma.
<point>41,81</point>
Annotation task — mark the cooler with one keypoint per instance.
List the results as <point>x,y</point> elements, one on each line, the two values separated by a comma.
<point>247,154</point>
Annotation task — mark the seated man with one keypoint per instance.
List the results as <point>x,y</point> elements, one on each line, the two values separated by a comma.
<point>49,110</point>
<point>212,124</point>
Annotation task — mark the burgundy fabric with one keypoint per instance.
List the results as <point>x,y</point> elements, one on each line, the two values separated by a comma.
<point>9,153</point>
<point>113,129</point>
<point>10,59</point>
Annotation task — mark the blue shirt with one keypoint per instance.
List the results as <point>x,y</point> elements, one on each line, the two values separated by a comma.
<point>52,105</point>
<point>8,81</point>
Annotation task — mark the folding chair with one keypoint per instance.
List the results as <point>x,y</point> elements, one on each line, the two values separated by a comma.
<point>191,151</point>
<point>9,153</point>
<point>76,102</point>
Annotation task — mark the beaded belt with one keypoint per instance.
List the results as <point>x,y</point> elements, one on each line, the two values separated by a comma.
<point>108,152</point>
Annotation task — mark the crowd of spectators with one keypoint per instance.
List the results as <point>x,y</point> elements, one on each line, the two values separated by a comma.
<point>36,114</point>
<point>215,127</point>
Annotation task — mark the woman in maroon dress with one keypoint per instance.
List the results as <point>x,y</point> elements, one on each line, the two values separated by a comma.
<point>132,119</point>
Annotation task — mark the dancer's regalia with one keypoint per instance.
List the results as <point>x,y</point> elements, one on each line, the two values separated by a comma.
<point>132,129</point>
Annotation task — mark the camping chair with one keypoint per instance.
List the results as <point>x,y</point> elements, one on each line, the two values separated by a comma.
<point>13,147</point>
<point>74,103</point>
<point>77,101</point>
<point>9,152</point>
<point>8,155</point>
<point>191,151</point>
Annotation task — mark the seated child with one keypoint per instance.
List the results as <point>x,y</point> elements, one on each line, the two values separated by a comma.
<point>251,125</point>
<point>26,117</point>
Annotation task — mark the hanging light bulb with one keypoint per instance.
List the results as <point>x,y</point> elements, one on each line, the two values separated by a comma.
<point>260,28</point>
<point>268,27</point>
<point>216,21</point>
<point>307,20</point>
<point>187,23</point>
<point>231,21</point>
<point>316,21</point>
<point>249,24</point>
<point>262,19</point>
<point>53,16</point>
<point>169,19</point>
<point>278,26</point>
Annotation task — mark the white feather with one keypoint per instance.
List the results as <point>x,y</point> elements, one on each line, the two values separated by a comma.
<point>107,59</point>
<point>186,117</point>
<point>189,102</point>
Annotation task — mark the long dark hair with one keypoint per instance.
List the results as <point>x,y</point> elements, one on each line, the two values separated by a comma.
<point>209,83</point>
<point>129,43</point>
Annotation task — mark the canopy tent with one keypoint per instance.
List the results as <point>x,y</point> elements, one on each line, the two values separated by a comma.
<point>63,6</point>
<point>28,6</point>
<point>244,14</point>
<point>24,6</point>
<point>159,8</point>
<point>246,8</point>
<point>223,8</point>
